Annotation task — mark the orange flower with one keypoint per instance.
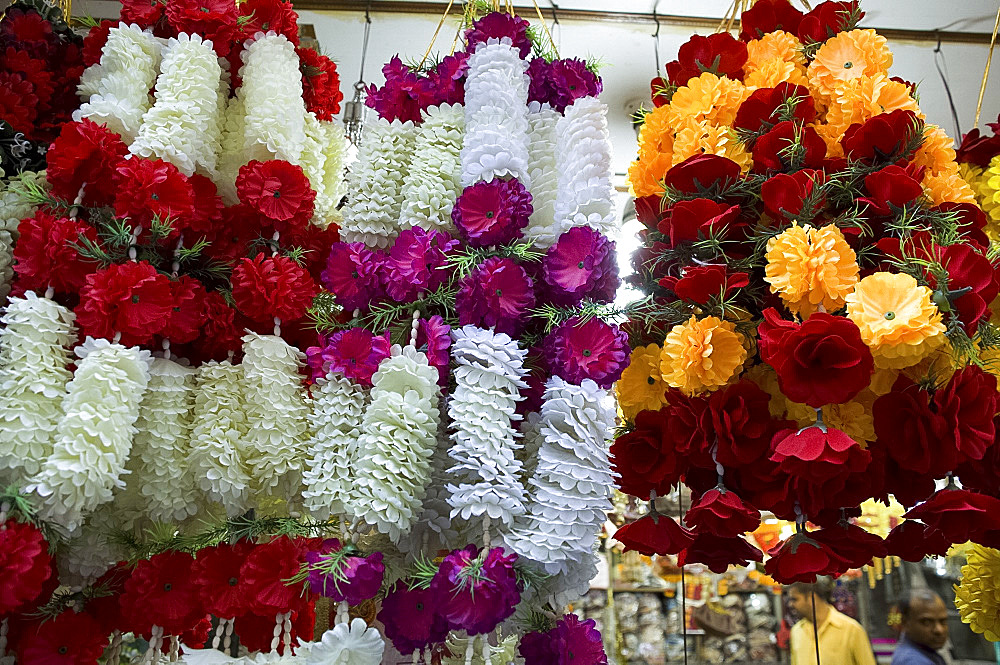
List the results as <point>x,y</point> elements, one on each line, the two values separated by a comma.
<point>641,386</point>
<point>777,45</point>
<point>709,98</point>
<point>694,138</point>
<point>702,354</point>
<point>865,97</point>
<point>810,268</point>
<point>948,188</point>
<point>847,56</point>
<point>645,175</point>
<point>656,133</point>
<point>773,72</point>
<point>937,152</point>
<point>832,135</point>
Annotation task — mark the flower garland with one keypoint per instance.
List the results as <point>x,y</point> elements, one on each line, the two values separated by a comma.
<point>432,184</point>
<point>14,206</point>
<point>544,175</point>
<point>271,95</point>
<point>976,595</point>
<point>323,162</point>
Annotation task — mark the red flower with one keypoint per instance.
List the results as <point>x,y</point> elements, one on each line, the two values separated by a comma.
<point>230,239</point>
<point>912,541</point>
<point>794,196</point>
<point>980,475</point>
<point>969,268</point>
<point>827,19</point>
<point>766,107</point>
<point>718,553</point>
<point>264,15</point>
<point>95,40</point>
<point>658,91</point>
<point>700,173</point>
<point>883,138</point>
<point>161,592</point>
<point>265,571</point>
<point>702,283</point>
<point>219,332</point>
<point>45,255</point>
<point>269,287</point>
<point>688,423</point>
<point>85,153</point>
<point>969,404</point>
<point>18,101</point>
<point>977,149</point>
<point>218,574</point>
<point>720,54</point>
<point>649,210</point>
<point>819,362</point>
<point>206,209</point>
<point>320,84</point>
<point>24,565</point>
<point>851,543</point>
<point>723,513</point>
<point>129,298</point>
<point>644,458</point>
<point>767,16</point>
<point>257,631</point>
<point>145,13</point>
<point>187,311</point>
<point>69,639</point>
<point>279,191</point>
<point>960,515</point>
<point>686,220</point>
<point>915,437</point>
<point>971,220</point>
<point>801,559</point>
<point>654,534</point>
<point>741,421</point>
<point>212,19</point>
<point>149,189</point>
<point>890,189</point>
<point>35,71</point>
<point>772,153</point>
<point>107,608</point>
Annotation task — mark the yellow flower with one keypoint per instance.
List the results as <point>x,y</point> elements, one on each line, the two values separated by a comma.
<point>777,45</point>
<point>832,135</point>
<point>709,98</point>
<point>854,418</point>
<point>848,56</point>
<point>977,596</point>
<point>656,139</point>
<point>810,268</point>
<point>897,319</point>
<point>702,354</point>
<point>937,152</point>
<point>947,188</point>
<point>772,72</point>
<point>989,191</point>
<point>765,377</point>
<point>882,380</point>
<point>937,368</point>
<point>694,138</point>
<point>641,386</point>
<point>865,97</point>
<point>645,175</point>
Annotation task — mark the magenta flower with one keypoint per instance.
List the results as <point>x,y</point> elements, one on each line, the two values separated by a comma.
<point>445,84</point>
<point>434,339</point>
<point>560,82</point>
<point>417,263</point>
<point>497,294</point>
<point>353,275</point>
<point>411,619</point>
<point>581,265</point>
<point>592,349</point>
<point>571,642</point>
<point>398,98</point>
<point>499,25</point>
<point>354,353</point>
<point>342,574</point>
<point>492,213</point>
<point>478,589</point>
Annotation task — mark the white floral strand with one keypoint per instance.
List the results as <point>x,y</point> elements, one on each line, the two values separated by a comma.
<point>115,91</point>
<point>232,154</point>
<point>271,92</point>
<point>91,552</point>
<point>336,412</point>
<point>354,643</point>
<point>489,377</point>
<point>542,229</point>
<point>94,435</point>
<point>322,161</point>
<point>14,206</point>
<point>375,184</point>
<point>434,179</point>
<point>399,433</point>
<point>35,343</point>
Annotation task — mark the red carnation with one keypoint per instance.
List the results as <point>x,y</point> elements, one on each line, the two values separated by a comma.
<point>145,13</point>
<point>700,284</point>
<point>218,574</point>
<point>214,20</point>
<point>915,437</point>
<point>797,196</point>
<point>149,189</point>
<point>207,206</point>
<point>654,534</point>
<point>851,543</point>
<point>969,404</point>
<point>68,639</point>
<point>767,16</point>
<point>687,220</point>
<point>97,37</point>
<point>229,241</point>
<point>277,190</point>
<point>107,608</point>
<point>701,172</point>
<point>644,458</point>
<point>773,151</point>
<point>821,361</point>
<point>320,84</point>
<point>741,421</point>
<point>45,254</point>
<point>219,333</point>
<point>960,515</point>
<point>718,553</point>
<point>801,559</point>
<point>24,565</point>
<point>265,571</point>
<point>766,107</point>
<point>85,154</point>
<point>18,102</point>
<point>890,189</point>
<point>268,287</point>
<point>882,138</point>
<point>187,311</point>
<point>264,15</point>
<point>720,54</point>
<point>161,592</point>
<point>912,541</point>
<point>981,475</point>
<point>722,512</point>
<point>129,298</point>
<point>827,19</point>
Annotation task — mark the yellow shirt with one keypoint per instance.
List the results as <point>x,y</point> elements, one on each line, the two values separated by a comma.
<point>842,641</point>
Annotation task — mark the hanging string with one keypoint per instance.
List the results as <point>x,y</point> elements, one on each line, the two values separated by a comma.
<point>986,74</point>
<point>364,44</point>
<point>436,32</point>
<point>684,622</point>
<point>545,25</point>
<point>941,66</point>
<point>815,622</point>
<point>656,39</point>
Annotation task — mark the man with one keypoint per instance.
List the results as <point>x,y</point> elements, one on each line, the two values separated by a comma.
<point>925,628</point>
<point>842,640</point>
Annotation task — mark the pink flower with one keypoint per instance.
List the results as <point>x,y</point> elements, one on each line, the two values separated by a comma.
<point>417,263</point>
<point>354,353</point>
<point>497,294</point>
<point>582,264</point>
<point>353,275</point>
<point>592,349</point>
<point>492,213</point>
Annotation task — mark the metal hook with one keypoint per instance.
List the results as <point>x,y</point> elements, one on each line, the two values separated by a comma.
<point>368,9</point>
<point>555,17</point>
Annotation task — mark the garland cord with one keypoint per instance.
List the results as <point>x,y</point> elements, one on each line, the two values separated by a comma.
<point>986,74</point>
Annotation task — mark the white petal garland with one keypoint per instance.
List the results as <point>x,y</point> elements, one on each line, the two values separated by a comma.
<point>399,433</point>
<point>232,154</point>
<point>434,529</point>
<point>14,206</point>
<point>336,412</point>
<point>375,199</point>
<point>115,91</point>
<point>35,343</point>
<point>496,115</point>
<point>322,161</point>
<point>488,378</point>
<point>346,644</point>
<point>94,435</point>
<point>276,414</point>
<point>572,482</point>
<point>542,229</point>
<point>219,426</point>
<point>433,182</point>
<point>91,552</point>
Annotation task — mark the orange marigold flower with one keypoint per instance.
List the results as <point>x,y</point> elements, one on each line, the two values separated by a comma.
<point>847,56</point>
<point>645,175</point>
<point>948,188</point>
<point>657,132</point>
<point>695,138</point>
<point>777,45</point>
<point>810,268</point>
<point>937,152</point>
<point>865,97</point>
<point>641,386</point>
<point>709,98</point>
<point>702,354</point>
<point>773,72</point>
<point>831,134</point>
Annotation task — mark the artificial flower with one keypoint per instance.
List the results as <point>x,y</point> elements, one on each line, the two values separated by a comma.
<point>277,190</point>
<point>848,56</point>
<point>644,458</point>
<point>354,353</point>
<point>969,404</point>
<point>342,574</point>
<point>411,618</point>
<point>802,559</point>
<point>851,543</point>
<point>723,513</point>
<point>272,287</point>
<point>498,293</point>
<point>960,515</point>
<point>702,354</point>
<point>718,553</point>
<point>269,15</point>
<point>129,298</point>
<point>25,563</point>
<point>354,274</point>
<point>641,386</point>
<point>478,589</point>
<point>417,263</point>
<point>709,98</point>
<point>71,638</point>
<point>766,107</point>
<point>794,197</point>
<point>212,19</point>
<point>492,213</point>
<point>827,19</point>
<point>562,81</point>
<point>911,540</point>
<point>434,340</point>
<point>257,632</point>
<point>741,420</point>
<point>811,268</point>
<point>700,284</point>
<point>587,349</point>
<point>581,265</point>
<point>767,16</point>
<point>46,253</point>
<point>654,534</point>
<point>85,155</point>
<point>721,54</point>
<point>161,592</point>
<point>218,576</point>
<point>498,26</point>
<point>976,595</point>
<point>882,138</point>
<point>690,219</point>
<point>320,84</point>
<point>151,189</point>
<point>916,437</point>
<point>701,173</point>
<point>265,570</point>
<point>788,146</point>
<point>571,641</point>
<point>890,190</point>
<point>864,97</point>
<point>354,643</point>
<point>399,98</point>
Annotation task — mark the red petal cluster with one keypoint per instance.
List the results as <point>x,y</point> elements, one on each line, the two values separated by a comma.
<point>129,298</point>
<point>268,287</point>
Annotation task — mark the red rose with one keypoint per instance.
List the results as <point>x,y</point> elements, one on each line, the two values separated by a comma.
<point>801,559</point>
<point>741,420</point>
<point>827,19</point>
<point>654,534</point>
<point>971,220</point>
<point>218,575</point>
<point>161,592</point>
<point>24,565</point>
<point>766,107</point>
<point>687,220</point>
<point>981,475</point>
<point>277,190</point>
<point>68,639</point>
<point>889,190</point>
<point>45,254</point>
<point>883,138</point>
<point>128,298</point>
<point>767,487</point>
<point>700,173</point>
<point>720,54</point>
<point>644,459</point>
<point>649,209</point>
<point>968,268</point>
<point>265,571</point>
<point>658,92</point>
<point>788,197</point>
<point>723,513</point>
<point>268,287</point>
<point>320,84</point>
<point>772,153</point>
<point>912,541</point>
<point>688,423</point>
<point>969,404</point>
<point>915,437</point>
<point>960,515</point>
<point>851,543</point>
<point>187,311</point>
<point>977,149</point>
<point>84,154</point>
<point>767,16</point>
<point>699,284</point>
<point>821,361</point>
<point>718,553</point>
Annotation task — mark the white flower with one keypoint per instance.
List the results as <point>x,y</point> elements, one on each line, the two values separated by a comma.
<point>271,92</point>
<point>219,426</point>
<point>322,161</point>
<point>336,411</point>
<point>232,154</point>
<point>354,644</point>
<point>94,435</point>
<point>375,184</point>
<point>542,229</point>
<point>90,553</point>
<point>433,182</point>
<point>116,90</point>
<point>434,529</point>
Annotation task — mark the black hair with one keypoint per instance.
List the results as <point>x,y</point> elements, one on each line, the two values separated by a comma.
<point>908,597</point>
<point>822,587</point>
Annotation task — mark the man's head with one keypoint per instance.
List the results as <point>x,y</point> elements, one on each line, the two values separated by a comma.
<point>801,594</point>
<point>925,617</point>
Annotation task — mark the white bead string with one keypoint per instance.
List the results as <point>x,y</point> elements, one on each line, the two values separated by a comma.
<point>152,654</point>
<point>174,648</point>
<point>288,632</point>
<point>219,631</point>
<point>416,657</point>
<point>276,635</point>
<point>3,637</point>
<point>115,651</point>
<point>228,642</point>
<point>75,210</point>
<point>470,648</point>
<point>414,328</point>
<point>486,650</point>
<point>428,656</point>
<point>342,612</point>
<point>486,531</point>
<point>4,509</point>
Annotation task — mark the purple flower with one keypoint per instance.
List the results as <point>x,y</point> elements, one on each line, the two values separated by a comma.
<point>497,294</point>
<point>478,590</point>
<point>581,264</point>
<point>492,213</point>
<point>434,339</point>
<point>411,619</point>
<point>560,82</point>
<point>342,575</point>
<point>417,263</point>
<point>354,353</point>
<point>353,274</point>
<point>571,642</point>
<point>445,84</point>
<point>499,25</point>
<point>398,98</point>
<point>587,350</point>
